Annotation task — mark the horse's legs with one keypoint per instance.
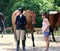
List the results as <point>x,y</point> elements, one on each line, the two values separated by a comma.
<point>53,36</point>
<point>2,35</point>
<point>2,29</point>
<point>15,36</point>
<point>32,38</point>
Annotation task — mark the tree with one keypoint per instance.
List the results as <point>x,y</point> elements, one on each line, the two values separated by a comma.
<point>8,6</point>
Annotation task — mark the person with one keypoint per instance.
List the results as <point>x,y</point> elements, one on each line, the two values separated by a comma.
<point>20,29</point>
<point>45,30</point>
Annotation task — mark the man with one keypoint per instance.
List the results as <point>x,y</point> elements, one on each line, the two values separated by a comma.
<point>20,28</point>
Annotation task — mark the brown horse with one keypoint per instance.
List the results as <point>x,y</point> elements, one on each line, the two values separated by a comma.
<point>30,16</point>
<point>58,20</point>
<point>54,19</point>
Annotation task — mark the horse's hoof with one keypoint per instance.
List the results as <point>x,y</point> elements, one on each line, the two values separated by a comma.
<point>54,40</point>
<point>50,40</point>
<point>1,36</point>
<point>45,50</point>
<point>33,45</point>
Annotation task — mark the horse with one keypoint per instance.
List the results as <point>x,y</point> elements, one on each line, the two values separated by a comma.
<point>54,19</point>
<point>30,16</point>
<point>2,24</point>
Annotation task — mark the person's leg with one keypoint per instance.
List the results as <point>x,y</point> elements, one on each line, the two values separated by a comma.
<point>46,36</point>
<point>18,39</point>
<point>23,38</point>
<point>47,42</point>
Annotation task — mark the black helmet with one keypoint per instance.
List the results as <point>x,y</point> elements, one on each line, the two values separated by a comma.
<point>20,9</point>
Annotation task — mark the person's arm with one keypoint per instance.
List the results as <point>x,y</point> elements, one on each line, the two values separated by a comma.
<point>48,24</point>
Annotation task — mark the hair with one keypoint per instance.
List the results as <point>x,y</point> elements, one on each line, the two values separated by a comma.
<point>45,14</point>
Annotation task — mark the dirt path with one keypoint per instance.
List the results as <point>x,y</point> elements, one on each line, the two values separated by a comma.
<point>7,43</point>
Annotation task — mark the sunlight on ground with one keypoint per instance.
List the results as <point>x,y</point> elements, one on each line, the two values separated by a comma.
<point>7,43</point>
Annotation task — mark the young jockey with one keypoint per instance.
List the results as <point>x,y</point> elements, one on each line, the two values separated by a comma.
<point>20,29</point>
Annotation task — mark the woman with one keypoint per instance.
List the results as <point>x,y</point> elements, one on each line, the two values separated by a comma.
<point>45,30</point>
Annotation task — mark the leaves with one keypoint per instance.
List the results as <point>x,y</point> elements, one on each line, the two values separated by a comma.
<point>8,6</point>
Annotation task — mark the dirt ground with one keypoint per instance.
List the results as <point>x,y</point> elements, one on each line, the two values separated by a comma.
<point>7,43</point>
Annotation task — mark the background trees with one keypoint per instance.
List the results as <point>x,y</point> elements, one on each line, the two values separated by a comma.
<point>8,6</point>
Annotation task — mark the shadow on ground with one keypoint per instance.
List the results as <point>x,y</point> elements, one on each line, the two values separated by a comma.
<point>35,49</point>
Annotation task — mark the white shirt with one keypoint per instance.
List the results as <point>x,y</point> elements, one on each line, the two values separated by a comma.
<point>44,25</point>
<point>20,16</point>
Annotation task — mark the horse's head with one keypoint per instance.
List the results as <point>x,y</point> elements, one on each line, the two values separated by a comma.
<point>34,14</point>
<point>31,17</point>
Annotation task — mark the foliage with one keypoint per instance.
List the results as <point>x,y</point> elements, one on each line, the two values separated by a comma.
<point>8,6</point>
